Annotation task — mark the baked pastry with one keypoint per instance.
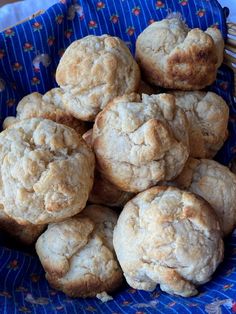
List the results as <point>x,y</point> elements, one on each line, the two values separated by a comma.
<point>208,116</point>
<point>173,56</point>
<point>26,234</point>
<point>46,171</point>
<point>94,70</point>
<point>169,237</point>
<point>47,106</point>
<point>103,191</point>
<point>140,141</point>
<point>216,184</point>
<point>78,255</point>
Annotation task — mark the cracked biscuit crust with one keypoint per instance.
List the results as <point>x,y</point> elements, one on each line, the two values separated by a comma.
<point>208,116</point>
<point>46,171</point>
<point>216,184</point>
<point>103,191</point>
<point>169,237</point>
<point>172,56</point>
<point>47,106</point>
<point>78,255</point>
<point>93,71</point>
<point>139,142</point>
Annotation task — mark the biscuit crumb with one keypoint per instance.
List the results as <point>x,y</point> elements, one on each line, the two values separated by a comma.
<point>104,297</point>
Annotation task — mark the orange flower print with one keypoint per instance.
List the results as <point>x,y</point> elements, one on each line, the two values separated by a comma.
<point>59,19</point>
<point>160,5</point>
<point>37,26</point>
<point>14,263</point>
<point>215,26</point>
<point>227,287</point>
<point>17,66</point>
<point>114,18</point>
<point>136,11</point>
<point>151,21</point>
<point>34,277</point>
<point>51,40</point>
<point>9,32</point>
<point>130,30</point>
<point>224,85</point>
<point>100,5</point>
<point>68,33</point>
<point>35,80</point>
<point>28,46</point>
<point>92,24</point>
<point>183,2</point>
<point>201,12</point>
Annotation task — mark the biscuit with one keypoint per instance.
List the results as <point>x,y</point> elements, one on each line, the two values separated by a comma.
<point>46,171</point>
<point>216,184</point>
<point>208,116</point>
<point>169,237</point>
<point>78,255</point>
<point>103,191</point>
<point>26,234</point>
<point>172,56</point>
<point>94,70</point>
<point>48,106</point>
<point>140,141</point>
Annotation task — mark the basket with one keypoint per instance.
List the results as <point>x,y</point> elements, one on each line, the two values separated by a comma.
<point>25,67</point>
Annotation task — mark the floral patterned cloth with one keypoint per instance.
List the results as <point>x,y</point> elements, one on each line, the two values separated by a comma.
<point>29,54</point>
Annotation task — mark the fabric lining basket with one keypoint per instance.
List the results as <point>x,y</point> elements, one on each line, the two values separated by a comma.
<point>29,54</point>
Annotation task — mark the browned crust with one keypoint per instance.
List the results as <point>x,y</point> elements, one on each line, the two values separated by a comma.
<point>89,286</point>
<point>64,118</point>
<point>192,68</point>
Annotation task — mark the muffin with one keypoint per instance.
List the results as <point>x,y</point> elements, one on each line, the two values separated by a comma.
<point>78,255</point>
<point>169,237</point>
<point>173,56</point>
<point>94,70</point>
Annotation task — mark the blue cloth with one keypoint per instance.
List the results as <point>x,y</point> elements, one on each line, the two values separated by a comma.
<point>29,54</point>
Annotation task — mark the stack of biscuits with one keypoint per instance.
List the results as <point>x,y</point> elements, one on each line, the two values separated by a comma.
<point>114,178</point>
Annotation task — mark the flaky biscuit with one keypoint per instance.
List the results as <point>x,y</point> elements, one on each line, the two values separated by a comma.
<point>216,184</point>
<point>47,106</point>
<point>208,116</point>
<point>139,142</point>
<point>94,70</point>
<point>169,237</point>
<point>78,255</point>
<point>172,56</point>
<point>46,171</point>
<point>26,234</point>
<point>103,191</point>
